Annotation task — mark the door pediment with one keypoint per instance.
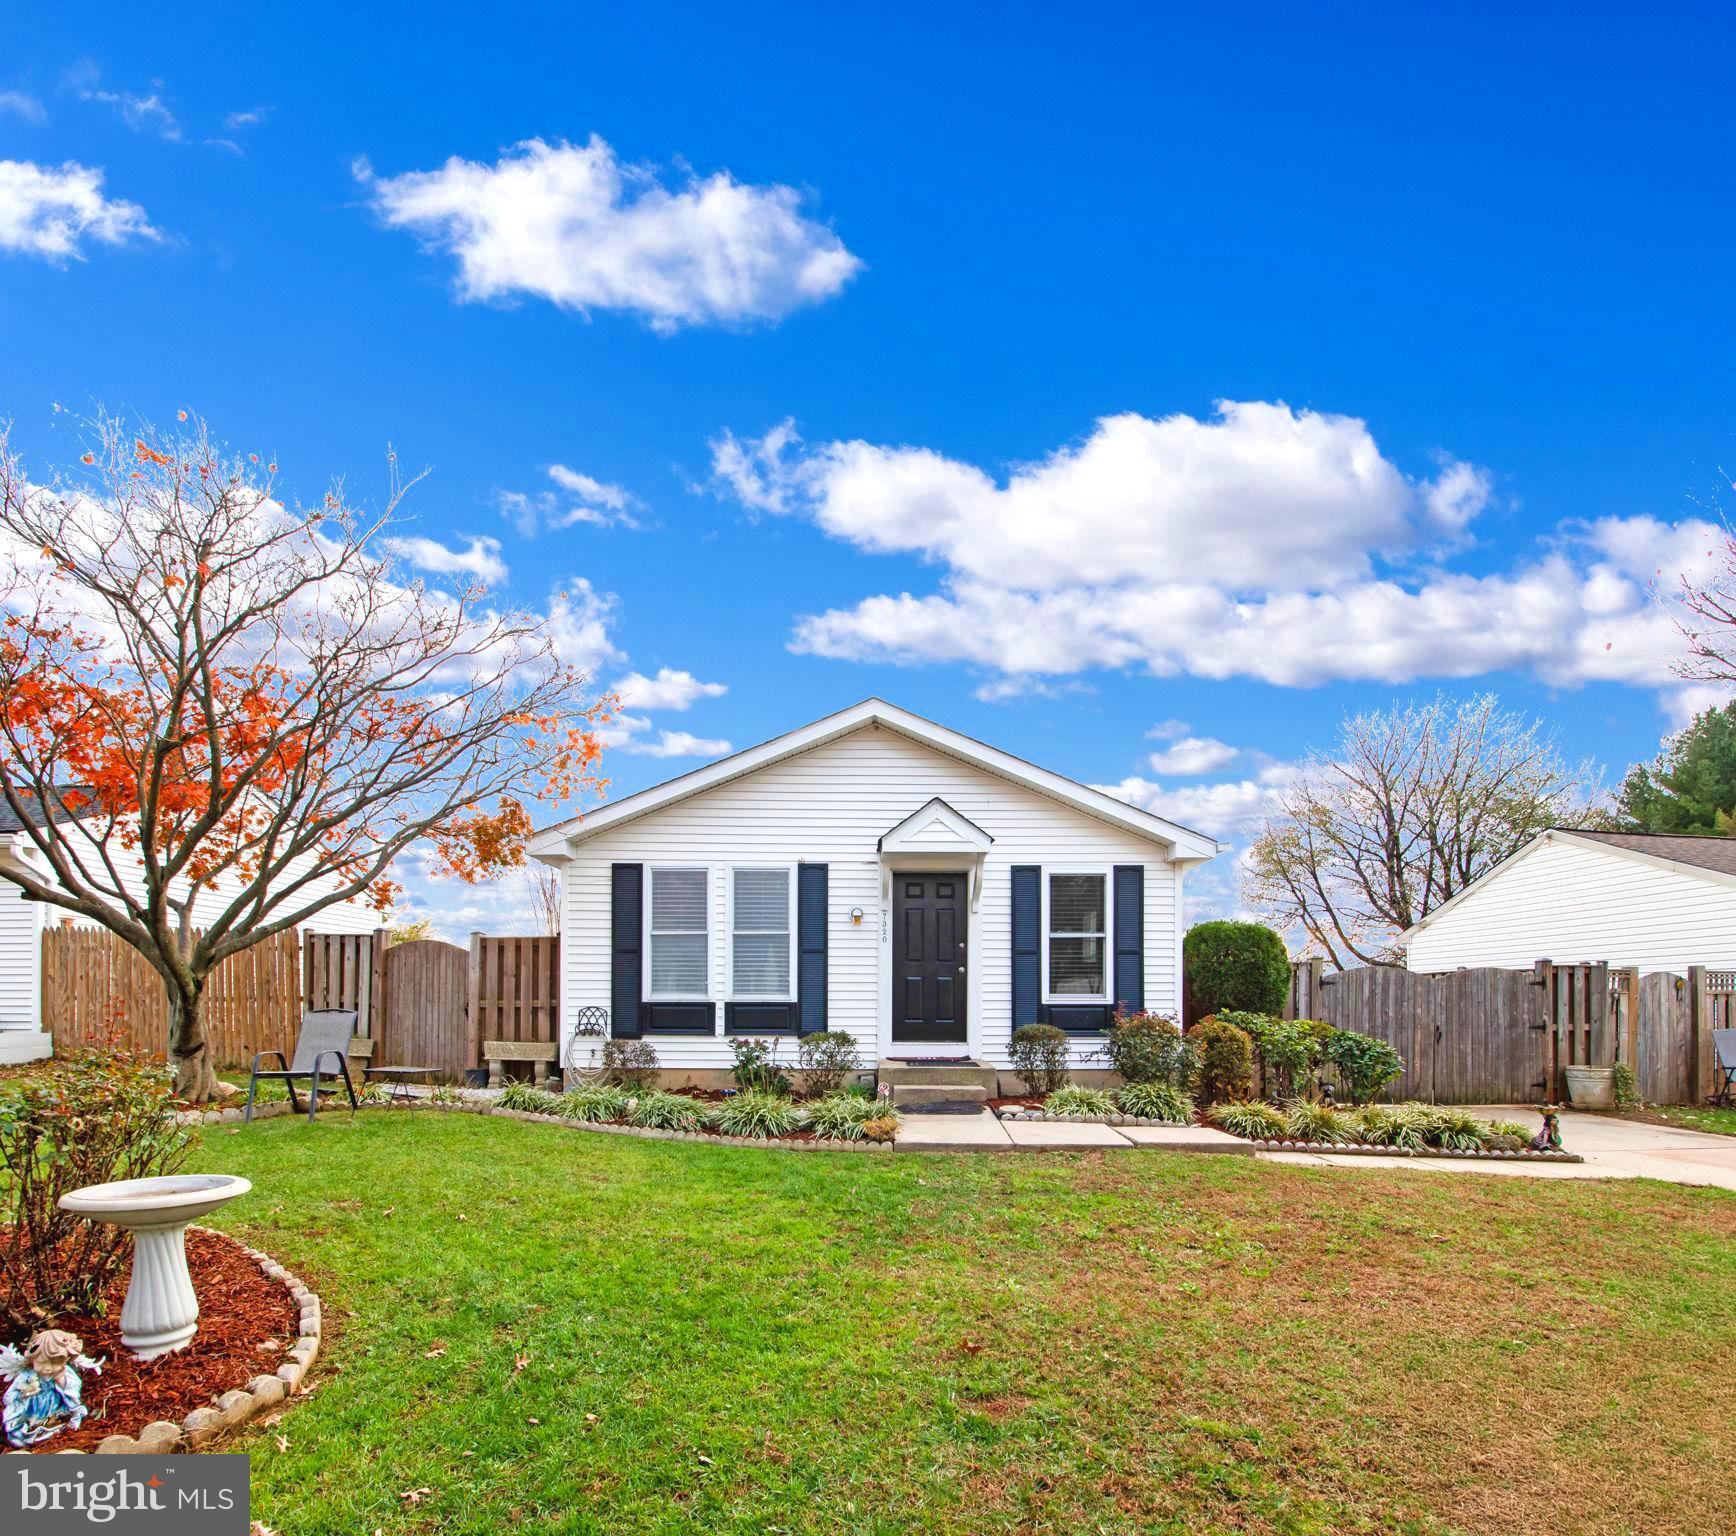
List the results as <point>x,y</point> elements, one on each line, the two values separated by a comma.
<point>936,828</point>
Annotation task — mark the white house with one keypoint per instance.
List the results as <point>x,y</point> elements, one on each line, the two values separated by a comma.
<point>22,922</point>
<point>873,873</point>
<point>1660,902</point>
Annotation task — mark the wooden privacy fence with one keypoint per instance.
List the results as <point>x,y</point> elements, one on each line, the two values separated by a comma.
<point>424,1003</point>
<point>93,985</point>
<point>1502,1036</point>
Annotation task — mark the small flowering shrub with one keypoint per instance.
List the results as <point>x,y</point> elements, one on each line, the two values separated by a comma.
<point>630,1063</point>
<point>756,1066</point>
<point>90,1117</point>
<point>827,1059</point>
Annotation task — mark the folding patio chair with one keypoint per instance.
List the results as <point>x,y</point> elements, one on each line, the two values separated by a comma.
<point>321,1049</point>
<point>1724,1058</point>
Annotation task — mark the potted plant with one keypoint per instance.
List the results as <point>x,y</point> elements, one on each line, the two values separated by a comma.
<point>1591,1087</point>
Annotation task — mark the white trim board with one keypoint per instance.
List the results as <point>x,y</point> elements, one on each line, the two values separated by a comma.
<point>553,844</point>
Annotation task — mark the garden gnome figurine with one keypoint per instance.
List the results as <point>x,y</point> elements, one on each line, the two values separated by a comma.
<point>43,1393</point>
<point>1549,1138</point>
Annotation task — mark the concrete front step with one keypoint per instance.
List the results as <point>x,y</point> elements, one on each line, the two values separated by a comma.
<point>919,1095</point>
<point>897,1073</point>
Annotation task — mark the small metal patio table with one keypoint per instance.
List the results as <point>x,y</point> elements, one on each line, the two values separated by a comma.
<point>399,1079</point>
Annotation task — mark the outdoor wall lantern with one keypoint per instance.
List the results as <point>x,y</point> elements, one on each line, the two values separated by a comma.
<point>856,916</point>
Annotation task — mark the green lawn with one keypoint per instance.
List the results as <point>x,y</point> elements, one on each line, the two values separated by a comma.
<point>554,1331</point>
<point>1720,1121</point>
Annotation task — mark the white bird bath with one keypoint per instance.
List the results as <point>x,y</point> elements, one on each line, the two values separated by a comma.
<point>161,1312</point>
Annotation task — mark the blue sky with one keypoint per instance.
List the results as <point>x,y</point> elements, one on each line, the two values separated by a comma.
<point>1467,276</point>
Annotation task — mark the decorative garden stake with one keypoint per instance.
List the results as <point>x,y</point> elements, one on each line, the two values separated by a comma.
<point>161,1312</point>
<point>43,1392</point>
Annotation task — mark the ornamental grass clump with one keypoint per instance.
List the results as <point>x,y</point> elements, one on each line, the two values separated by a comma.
<point>843,1116</point>
<point>1156,1101</point>
<point>1075,1100</point>
<point>593,1103</point>
<point>660,1111</point>
<point>1305,1121</point>
<point>88,1117</point>
<point>529,1099</point>
<point>1250,1118</point>
<point>754,1112</point>
<point>884,1126</point>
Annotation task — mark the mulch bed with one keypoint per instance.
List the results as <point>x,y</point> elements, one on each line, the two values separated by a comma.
<point>240,1309</point>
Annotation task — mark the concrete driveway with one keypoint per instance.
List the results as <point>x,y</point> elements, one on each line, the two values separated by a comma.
<point>1612,1149</point>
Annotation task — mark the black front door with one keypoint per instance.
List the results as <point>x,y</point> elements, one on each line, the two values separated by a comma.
<point>928,958</point>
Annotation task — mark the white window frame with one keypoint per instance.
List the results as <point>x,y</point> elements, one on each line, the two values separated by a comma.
<point>1084,999</point>
<point>651,871</point>
<point>789,994</point>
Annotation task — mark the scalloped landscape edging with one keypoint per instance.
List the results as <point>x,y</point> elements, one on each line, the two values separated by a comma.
<point>647,1133</point>
<point>1370,1149</point>
<point>235,1407</point>
<point>1114,1118</point>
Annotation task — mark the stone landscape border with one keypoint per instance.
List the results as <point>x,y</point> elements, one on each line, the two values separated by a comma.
<point>1010,1112</point>
<point>1368,1149</point>
<point>231,1409</point>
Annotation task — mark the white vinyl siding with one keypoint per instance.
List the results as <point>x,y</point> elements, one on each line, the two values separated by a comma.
<point>20,958</point>
<point>1076,924</point>
<point>762,907</point>
<point>1572,901</point>
<point>676,935</point>
<point>830,805</point>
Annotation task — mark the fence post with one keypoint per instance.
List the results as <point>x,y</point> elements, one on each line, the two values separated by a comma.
<point>473,1005</point>
<point>1696,1031</point>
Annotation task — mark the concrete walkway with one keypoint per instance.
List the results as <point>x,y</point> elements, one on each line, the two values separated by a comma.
<point>984,1132</point>
<point>1612,1149</point>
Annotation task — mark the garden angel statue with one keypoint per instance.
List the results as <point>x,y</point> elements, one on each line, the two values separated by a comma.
<point>43,1389</point>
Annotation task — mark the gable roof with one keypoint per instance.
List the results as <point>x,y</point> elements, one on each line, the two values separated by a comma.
<point>935,812</point>
<point>1701,858</point>
<point>1187,846</point>
<point>10,821</point>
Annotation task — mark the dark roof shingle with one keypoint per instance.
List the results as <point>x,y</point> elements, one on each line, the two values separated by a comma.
<point>1716,853</point>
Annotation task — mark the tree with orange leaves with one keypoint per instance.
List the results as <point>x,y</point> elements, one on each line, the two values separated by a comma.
<point>204,692</point>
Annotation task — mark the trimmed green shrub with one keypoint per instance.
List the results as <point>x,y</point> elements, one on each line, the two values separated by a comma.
<point>1075,1100</point>
<point>754,1112</point>
<point>1226,1061</point>
<point>1039,1055</point>
<point>593,1103</point>
<point>1287,1052</point>
<point>535,1101</point>
<point>826,1058</point>
<point>1304,1121</point>
<point>756,1066</point>
<point>667,1112</point>
<point>1149,1048</point>
<point>88,1117</point>
<point>630,1063</point>
<point>1240,966</point>
<point>1252,1119</point>
<point>1156,1101</point>
<point>1365,1064</point>
<point>841,1116</point>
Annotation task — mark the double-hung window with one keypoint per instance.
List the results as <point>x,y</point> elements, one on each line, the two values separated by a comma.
<point>1078,934</point>
<point>762,902</point>
<point>677,933</point>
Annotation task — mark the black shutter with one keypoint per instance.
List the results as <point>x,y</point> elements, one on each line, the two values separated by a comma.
<point>1130,937</point>
<point>811,947</point>
<point>1027,944</point>
<point>626,945</point>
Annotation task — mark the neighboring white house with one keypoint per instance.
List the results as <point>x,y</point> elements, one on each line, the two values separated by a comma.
<point>873,873</point>
<point>22,922</point>
<point>1660,902</point>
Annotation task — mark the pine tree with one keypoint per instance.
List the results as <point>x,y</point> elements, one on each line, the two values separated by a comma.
<point>1691,787</point>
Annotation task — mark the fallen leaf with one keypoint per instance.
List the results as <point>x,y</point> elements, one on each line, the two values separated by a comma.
<point>415,1496</point>
<point>532,1421</point>
<point>436,1352</point>
<point>706,1461</point>
<point>520,1363</point>
<point>282,1443</point>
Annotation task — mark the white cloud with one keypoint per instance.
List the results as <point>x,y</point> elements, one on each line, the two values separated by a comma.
<point>579,618</point>
<point>634,734</point>
<point>1264,542</point>
<point>1255,498</point>
<point>251,118</point>
<point>1193,755</point>
<point>480,558</point>
<point>50,212</point>
<point>23,105</point>
<point>143,114</point>
<point>574,225</point>
<point>669,689</point>
<point>585,500</point>
<point>1231,810</point>
<point>1003,690</point>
